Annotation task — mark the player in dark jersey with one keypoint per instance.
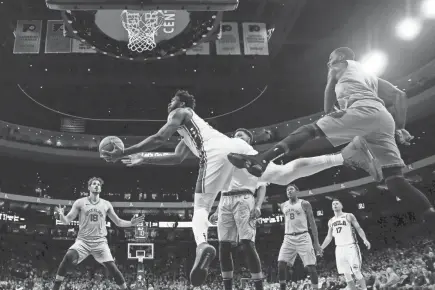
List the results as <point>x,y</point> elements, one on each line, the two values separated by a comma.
<point>211,147</point>
<point>91,239</point>
<point>361,97</point>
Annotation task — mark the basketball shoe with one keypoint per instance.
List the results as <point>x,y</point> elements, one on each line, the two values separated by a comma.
<point>205,254</point>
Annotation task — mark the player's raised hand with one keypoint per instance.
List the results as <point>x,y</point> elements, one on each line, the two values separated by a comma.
<point>133,160</point>
<point>213,218</point>
<point>367,243</point>
<point>114,155</point>
<point>59,209</point>
<point>137,220</point>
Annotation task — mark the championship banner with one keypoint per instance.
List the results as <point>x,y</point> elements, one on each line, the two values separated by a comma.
<point>229,44</point>
<point>81,47</point>
<point>255,39</point>
<point>28,37</point>
<point>202,49</point>
<point>55,41</point>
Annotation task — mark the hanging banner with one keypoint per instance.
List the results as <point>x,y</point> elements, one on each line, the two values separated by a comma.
<point>81,47</point>
<point>229,43</point>
<point>255,39</point>
<point>28,37</point>
<point>202,49</point>
<point>55,41</point>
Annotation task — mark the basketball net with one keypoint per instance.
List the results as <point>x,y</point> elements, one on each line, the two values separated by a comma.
<point>142,28</point>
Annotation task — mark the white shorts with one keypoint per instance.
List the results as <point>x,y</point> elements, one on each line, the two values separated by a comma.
<point>234,218</point>
<point>348,259</point>
<point>301,245</point>
<point>99,250</point>
<point>215,171</point>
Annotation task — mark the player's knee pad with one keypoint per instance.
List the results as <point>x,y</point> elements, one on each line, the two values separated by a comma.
<point>225,256</point>
<point>348,277</point>
<point>251,255</point>
<point>313,274</point>
<point>282,270</point>
<point>358,275</point>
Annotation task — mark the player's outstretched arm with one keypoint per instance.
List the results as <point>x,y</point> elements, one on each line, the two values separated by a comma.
<point>123,223</point>
<point>175,120</point>
<point>310,216</point>
<point>181,153</point>
<point>72,215</point>
<point>392,95</point>
<point>359,230</point>
<point>328,238</point>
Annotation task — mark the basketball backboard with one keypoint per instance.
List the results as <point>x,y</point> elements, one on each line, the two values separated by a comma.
<point>109,22</point>
<point>190,5</point>
<point>143,251</point>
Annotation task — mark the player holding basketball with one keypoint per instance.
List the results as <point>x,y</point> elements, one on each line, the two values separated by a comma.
<point>361,97</point>
<point>91,238</point>
<point>347,254</point>
<point>297,241</point>
<point>215,173</point>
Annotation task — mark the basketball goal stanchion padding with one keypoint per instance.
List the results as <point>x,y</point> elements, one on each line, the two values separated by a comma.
<point>142,28</point>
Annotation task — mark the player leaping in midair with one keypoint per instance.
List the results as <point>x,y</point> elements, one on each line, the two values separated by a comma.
<point>215,171</point>
<point>342,228</point>
<point>362,98</point>
<point>91,238</point>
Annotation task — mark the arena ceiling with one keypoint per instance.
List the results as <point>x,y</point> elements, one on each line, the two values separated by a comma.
<point>97,86</point>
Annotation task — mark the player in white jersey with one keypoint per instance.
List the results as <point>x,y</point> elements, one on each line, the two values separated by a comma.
<point>91,238</point>
<point>215,171</point>
<point>298,213</point>
<point>238,209</point>
<point>342,229</point>
<point>236,217</point>
<point>361,97</point>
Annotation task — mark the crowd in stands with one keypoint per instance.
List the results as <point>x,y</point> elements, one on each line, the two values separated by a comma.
<point>410,265</point>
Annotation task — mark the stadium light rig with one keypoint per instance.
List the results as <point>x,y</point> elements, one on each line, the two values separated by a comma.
<point>375,62</point>
<point>428,8</point>
<point>408,29</point>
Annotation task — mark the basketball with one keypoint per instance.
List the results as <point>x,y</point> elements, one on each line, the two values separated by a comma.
<point>107,144</point>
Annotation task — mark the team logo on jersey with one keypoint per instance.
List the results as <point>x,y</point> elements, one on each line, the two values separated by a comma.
<point>94,211</point>
<point>339,223</point>
<point>355,266</point>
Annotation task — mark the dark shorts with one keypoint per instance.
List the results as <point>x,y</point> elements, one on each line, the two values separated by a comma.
<point>375,124</point>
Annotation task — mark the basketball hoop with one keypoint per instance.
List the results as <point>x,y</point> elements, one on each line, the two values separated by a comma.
<point>142,28</point>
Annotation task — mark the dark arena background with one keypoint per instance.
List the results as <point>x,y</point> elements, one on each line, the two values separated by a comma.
<point>71,74</point>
